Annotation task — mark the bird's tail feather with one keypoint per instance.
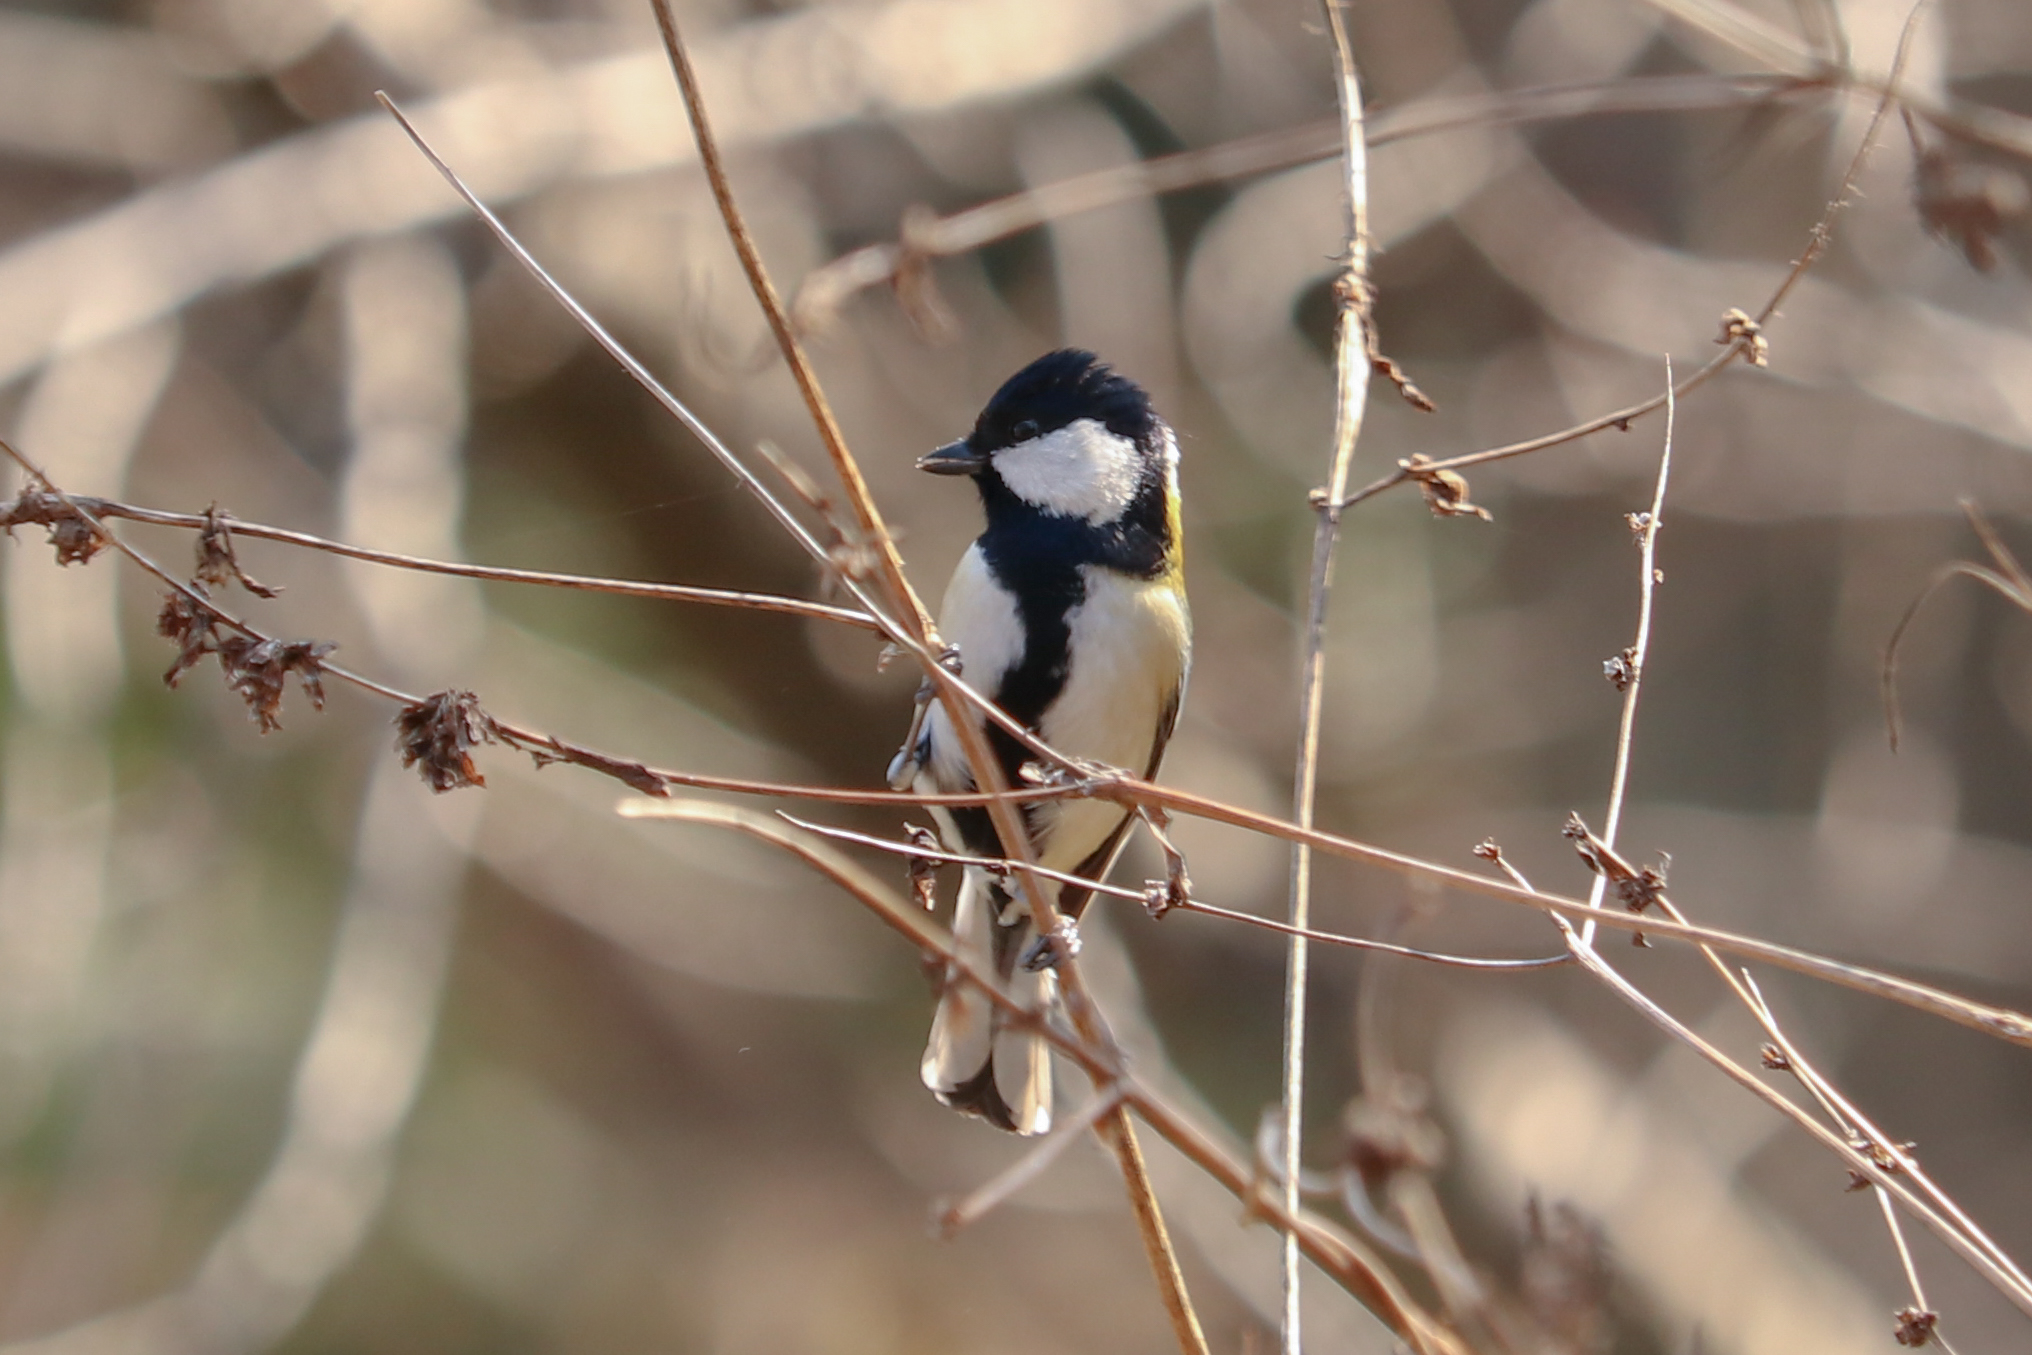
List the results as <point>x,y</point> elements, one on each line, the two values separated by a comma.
<point>977,1060</point>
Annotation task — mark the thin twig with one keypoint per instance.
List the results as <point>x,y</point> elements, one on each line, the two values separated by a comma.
<point>874,532</point>
<point>2003,1276</point>
<point>1353,346</point>
<point>949,1218</point>
<point>924,236</point>
<point>987,770</point>
<point>23,511</point>
<point>1831,1103</point>
<point>2014,1027</point>
<point>1628,667</point>
<point>2012,583</point>
<point>1742,335</point>
<point>1002,865</point>
<point>1862,1147</point>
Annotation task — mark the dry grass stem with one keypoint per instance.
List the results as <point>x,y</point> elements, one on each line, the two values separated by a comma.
<point>1354,346</point>
<point>925,237</point>
<point>874,532</point>
<point>1885,1165</point>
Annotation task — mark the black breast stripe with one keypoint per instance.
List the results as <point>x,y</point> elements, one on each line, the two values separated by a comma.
<point>1039,558</point>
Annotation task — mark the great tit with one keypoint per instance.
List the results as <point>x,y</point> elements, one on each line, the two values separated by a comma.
<point>1069,611</point>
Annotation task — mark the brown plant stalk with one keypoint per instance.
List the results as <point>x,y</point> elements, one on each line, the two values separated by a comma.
<point>1354,347</point>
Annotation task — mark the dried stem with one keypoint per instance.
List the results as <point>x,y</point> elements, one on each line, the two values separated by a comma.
<point>1883,1163</point>
<point>1628,667</point>
<point>1972,1245</point>
<point>1354,345</point>
<point>23,510</point>
<point>2005,1024</point>
<point>2008,579</point>
<point>873,531</point>
<point>1822,1091</point>
<point>1003,866</point>
<point>924,237</point>
<point>1856,1130</point>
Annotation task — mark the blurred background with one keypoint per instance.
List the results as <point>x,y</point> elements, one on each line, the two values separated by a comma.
<point>295,1055</point>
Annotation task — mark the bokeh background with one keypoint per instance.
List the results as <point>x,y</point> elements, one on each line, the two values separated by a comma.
<point>295,1055</point>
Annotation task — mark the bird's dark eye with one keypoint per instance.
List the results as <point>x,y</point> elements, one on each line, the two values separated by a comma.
<point>1025,429</point>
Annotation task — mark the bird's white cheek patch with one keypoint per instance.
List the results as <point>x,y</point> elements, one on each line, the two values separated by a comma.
<point>1081,470</point>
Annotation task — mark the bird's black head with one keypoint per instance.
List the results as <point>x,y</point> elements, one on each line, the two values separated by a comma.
<point>1060,389</point>
<point>1070,437</point>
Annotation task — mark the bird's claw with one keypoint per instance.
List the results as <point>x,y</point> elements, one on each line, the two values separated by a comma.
<point>1044,952</point>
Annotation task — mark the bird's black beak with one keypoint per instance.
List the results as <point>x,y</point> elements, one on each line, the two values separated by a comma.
<point>955,458</point>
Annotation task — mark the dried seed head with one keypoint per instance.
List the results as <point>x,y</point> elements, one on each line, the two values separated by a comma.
<point>437,736</point>
<point>1391,1132</point>
<point>1914,1326</point>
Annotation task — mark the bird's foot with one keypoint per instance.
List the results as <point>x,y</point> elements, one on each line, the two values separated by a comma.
<point>1063,941</point>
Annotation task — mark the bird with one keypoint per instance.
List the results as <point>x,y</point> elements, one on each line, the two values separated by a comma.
<point>1069,612</point>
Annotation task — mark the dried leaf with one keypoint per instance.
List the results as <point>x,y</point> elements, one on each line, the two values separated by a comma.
<point>1967,203</point>
<point>194,629</point>
<point>75,539</point>
<point>1446,492</point>
<point>1387,368</point>
<point>1621,670</point>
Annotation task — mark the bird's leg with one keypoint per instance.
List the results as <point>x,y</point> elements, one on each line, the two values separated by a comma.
<point>1161,896</point>
<point>909,759</point>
